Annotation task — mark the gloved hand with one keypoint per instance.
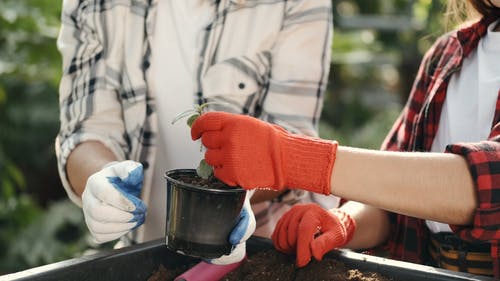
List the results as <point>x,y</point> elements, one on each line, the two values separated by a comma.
<point>310,230</point>
<point>240,234</point>
<point>251,153</point>
<point>111,204</point>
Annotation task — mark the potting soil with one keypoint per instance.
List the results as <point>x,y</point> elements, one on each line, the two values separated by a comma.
<point>271,265</point>
<point>211,182</point>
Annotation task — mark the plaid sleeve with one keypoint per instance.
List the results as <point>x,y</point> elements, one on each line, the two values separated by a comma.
<point>483,159</point>
<point>89,105</point>
<point>300,64</point>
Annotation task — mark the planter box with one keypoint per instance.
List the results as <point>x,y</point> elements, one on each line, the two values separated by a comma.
<point>138,262</point>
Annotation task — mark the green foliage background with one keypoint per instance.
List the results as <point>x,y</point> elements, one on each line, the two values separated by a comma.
<point>373,66</point>
<point>36,227</point>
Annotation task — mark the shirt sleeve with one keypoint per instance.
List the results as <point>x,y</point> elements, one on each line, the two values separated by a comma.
<point>300,64</point>
<point>90,43</point>
<point>483,159</point>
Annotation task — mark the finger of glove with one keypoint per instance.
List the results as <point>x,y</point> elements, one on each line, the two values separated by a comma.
<point>333,235</point>
<point>213,139</point>
<point>324,243</point>
<point>280,234</point>
<point>115,191</point>
<point>102,218</point>
<point>285,232</point>
<point>213,157</point>
<point>210,121</point>
<point>127,177</point>
<point>223,174</point>
<point>245,226</point>
<point>294,222</point>
<point>277,232</point>
<point>97,227</point>
<point>103,238</point>
<point>237,254</point>
<point>307,229</point>
<point>104,191</point>
<point>100,211</point>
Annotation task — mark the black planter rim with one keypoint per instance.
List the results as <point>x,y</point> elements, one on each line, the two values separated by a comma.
<point>193,187</point>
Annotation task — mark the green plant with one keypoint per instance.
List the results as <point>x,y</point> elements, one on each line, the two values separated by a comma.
<point>203,170</point>
<point>35,229</point>
<point>56,234</point>
<point>30,70</point>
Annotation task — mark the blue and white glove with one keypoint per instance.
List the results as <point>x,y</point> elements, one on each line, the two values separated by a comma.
<point>240,234</point>
<point>111,204</point>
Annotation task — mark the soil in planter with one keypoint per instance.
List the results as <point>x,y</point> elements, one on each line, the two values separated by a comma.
<point>272,265</point>
<point>163,273</point>
<point>269,265</point>
<point>211,182</point>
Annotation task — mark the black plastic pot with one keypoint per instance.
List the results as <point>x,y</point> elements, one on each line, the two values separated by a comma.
<point>200,219</point>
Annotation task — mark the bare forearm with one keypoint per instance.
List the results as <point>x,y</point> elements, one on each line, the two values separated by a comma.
<point>372,225</point>
<point>436,186</point>
<point>86,159</point>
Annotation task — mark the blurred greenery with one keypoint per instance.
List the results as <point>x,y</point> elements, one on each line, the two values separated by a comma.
<point>29,75</point>
<point>36,226</point>
<point>377,47</point>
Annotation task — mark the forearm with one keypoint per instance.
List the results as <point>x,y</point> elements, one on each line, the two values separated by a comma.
<point>86,159</point>
<point>372,225</point>
<point>435,186</point>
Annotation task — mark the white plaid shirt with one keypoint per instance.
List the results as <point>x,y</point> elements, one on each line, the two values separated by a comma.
<point>267,58</point>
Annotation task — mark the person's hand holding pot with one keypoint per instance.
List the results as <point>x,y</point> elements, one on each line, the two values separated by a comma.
<point>251,153</point>
<point>244,228</point>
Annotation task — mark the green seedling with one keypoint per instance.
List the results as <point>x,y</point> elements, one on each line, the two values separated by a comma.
<point>203,170</point>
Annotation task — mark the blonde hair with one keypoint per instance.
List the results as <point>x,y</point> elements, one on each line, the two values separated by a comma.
<point>461,11</point>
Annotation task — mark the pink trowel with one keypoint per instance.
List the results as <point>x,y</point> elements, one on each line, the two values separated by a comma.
<point>204,271</point>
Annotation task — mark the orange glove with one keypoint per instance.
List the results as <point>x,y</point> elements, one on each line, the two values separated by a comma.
<point>310,230</point>
<point>251,153</point>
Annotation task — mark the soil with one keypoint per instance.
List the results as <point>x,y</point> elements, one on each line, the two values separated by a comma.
<point>168,274</point>
<point>271,265</point>
<point>211,182</point>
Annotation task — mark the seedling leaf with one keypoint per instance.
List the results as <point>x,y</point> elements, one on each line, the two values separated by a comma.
<point>184,114</point>
<point>204,170</point>
<point>191,119</point>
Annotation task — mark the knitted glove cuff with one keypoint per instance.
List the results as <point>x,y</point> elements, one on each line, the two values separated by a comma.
<point>308,162</point>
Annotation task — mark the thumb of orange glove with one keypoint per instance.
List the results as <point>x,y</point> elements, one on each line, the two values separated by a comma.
<point>310,230</point>
<point>251,153</point>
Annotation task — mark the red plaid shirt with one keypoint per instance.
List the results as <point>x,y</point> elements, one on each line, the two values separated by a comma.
<point>415,130</point>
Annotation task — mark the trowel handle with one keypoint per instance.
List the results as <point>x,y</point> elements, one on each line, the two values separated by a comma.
<point>204,271</point>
